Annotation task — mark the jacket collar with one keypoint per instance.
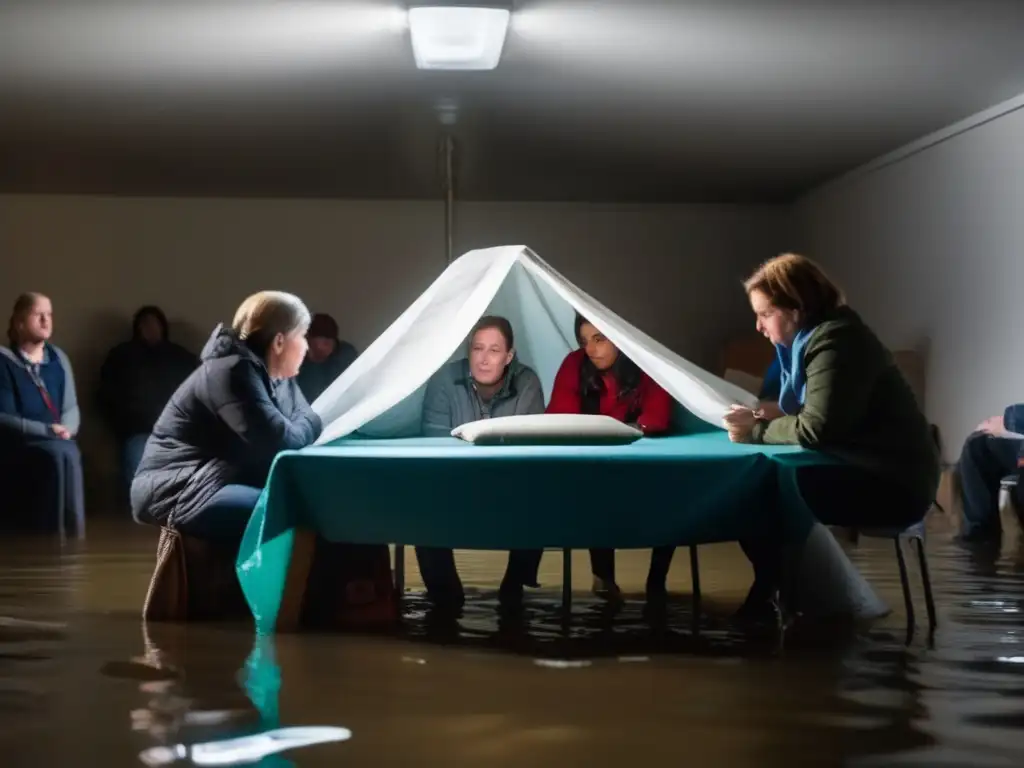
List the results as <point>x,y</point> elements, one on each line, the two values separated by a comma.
<point>19,359</point>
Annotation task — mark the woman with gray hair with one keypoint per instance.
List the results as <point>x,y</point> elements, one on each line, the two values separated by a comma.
<point>210,452</point>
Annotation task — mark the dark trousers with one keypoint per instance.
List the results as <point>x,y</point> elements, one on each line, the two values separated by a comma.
<point>602,565</point>
<point>984,461</point>
<point>224,517</point>
<point>836,495</point>
<point>43,477</point>
<point>131,454</point>
<point>437,567</point>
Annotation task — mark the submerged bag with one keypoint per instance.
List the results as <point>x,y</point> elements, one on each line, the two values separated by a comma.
<point>350,586</point>
<point>193,580</point>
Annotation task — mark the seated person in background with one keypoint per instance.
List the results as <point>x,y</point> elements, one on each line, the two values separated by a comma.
<point>210,452</point>
<point>598,379</point>
<point>841,393</point>
<point>137,379</point>
<point>993,451</point>
<point>39,420</point>
<point>327,359</point>
<point>489,384</point>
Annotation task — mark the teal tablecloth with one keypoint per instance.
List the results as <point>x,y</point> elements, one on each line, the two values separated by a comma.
<point>687,489</point>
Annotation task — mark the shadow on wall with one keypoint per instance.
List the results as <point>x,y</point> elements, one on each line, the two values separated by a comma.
<point>190,336</point>
<point>914,362</point>
<point>99,461</point>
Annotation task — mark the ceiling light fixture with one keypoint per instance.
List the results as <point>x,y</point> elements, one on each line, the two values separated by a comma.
<point>458,35</point>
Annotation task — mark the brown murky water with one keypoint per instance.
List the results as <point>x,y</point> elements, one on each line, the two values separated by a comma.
<point>81,681</point>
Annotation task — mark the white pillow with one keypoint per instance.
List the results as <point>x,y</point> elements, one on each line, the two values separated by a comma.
<point>548,428</point>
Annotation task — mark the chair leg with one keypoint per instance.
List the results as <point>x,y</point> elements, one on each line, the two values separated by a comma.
<point>62,509</point>
<point>695,579</point>
<point>566,582</point>
<point>905,582</point>
<point>926,579</point>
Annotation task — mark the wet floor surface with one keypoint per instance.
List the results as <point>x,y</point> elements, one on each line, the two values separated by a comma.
<point>82,681</point>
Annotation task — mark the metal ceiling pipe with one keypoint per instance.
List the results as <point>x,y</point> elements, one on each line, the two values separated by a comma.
<point>448,148</point>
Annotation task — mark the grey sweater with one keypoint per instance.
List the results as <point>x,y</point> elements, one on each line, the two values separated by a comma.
<point>452,399</point>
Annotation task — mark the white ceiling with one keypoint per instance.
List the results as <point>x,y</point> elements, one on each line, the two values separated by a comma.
<point>628,100</point>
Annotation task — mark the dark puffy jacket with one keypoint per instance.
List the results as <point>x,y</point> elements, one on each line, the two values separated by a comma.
<point>224,426</point>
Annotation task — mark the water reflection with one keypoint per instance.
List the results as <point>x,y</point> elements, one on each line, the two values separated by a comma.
<point>196,723</point>
<point>612,687</point>
<point>594,629</point>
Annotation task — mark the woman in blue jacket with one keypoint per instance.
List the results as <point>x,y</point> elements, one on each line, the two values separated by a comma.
<point>40,466</point>
<point>210,451</point>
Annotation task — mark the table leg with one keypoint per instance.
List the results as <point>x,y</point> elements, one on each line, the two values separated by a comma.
<point>400,570</point>
<point>695,578</point>
<point>303,550</point>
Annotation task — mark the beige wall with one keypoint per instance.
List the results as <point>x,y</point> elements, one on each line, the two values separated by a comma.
<point>671,270</point>
<point>930,248</point>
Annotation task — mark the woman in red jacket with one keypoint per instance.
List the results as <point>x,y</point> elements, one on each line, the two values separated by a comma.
<point>598,379</point>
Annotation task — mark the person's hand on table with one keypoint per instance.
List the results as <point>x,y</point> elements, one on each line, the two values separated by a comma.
<point>993,426</point>
<point>739,423</point>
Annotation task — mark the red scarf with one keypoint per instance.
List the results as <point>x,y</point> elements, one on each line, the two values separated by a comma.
<point>33,371</point>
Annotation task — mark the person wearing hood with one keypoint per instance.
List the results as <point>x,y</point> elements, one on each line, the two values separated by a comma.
<point>490,383</point>
<point>210,452</point>
<point>137,379</point>
<point>327,359</point>
<point>39,419</point>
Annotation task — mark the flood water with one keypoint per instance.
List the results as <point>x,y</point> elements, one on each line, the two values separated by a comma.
<point>83,682</point>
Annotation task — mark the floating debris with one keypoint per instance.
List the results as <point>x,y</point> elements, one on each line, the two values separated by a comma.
<point>562,663</point>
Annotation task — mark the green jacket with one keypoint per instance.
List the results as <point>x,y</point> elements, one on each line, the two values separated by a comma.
<point>859,407</point>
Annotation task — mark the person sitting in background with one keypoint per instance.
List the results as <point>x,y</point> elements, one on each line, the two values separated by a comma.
<point>489,383</point>
<point>598,379</point>
<point>993,451</point>
<point>327,359</point>
<point>137,379</point>
<point>841,393</point>
<point>39,419</point>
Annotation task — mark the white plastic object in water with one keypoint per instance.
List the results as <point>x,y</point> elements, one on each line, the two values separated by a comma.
<point>244,749</point>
